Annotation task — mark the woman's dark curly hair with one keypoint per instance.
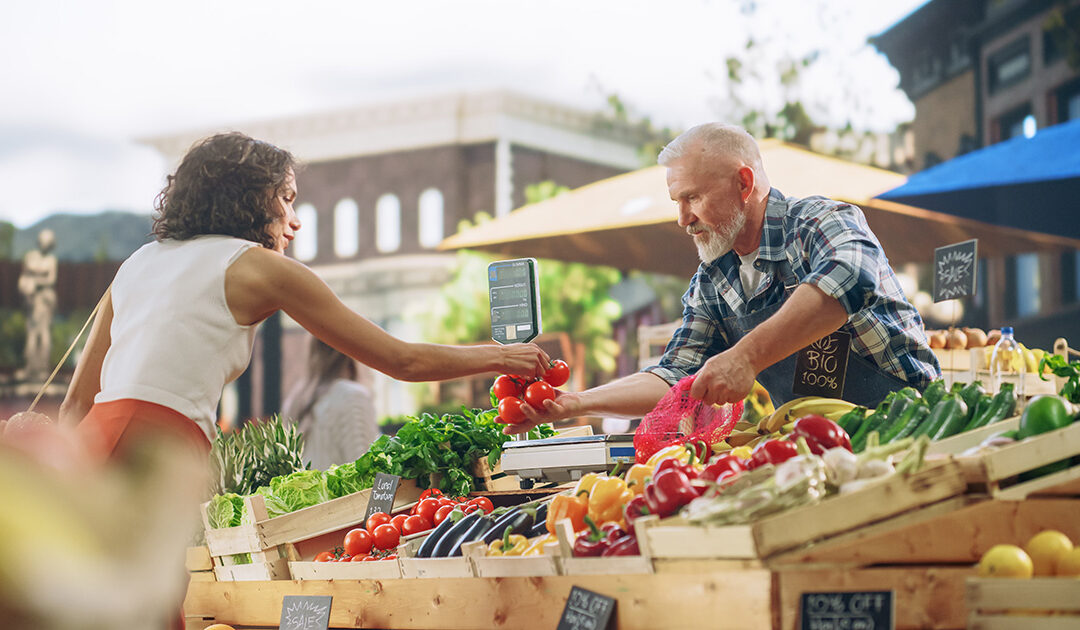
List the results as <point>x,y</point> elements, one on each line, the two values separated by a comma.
<point>226,184</point>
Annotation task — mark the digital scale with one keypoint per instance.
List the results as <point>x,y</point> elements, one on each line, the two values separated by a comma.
<point>561,460</point>
<point>514,291</point>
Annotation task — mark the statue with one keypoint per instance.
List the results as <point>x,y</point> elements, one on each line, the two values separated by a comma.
<point>36,282</point>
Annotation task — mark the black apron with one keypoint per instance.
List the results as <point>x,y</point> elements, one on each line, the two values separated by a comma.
<point>865,383</point>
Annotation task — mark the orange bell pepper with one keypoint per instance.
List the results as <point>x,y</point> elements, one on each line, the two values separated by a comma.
<point>608,497</point>
<point>572,506</point>
<point>637,477</point>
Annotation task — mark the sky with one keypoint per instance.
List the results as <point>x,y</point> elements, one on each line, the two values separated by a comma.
<point>83,81</point>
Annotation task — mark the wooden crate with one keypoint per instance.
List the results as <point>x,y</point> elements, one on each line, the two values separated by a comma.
<point>956,444</point>
<point>997,472</point>
<point>494,479</point>
<point>413,567</point>
<point>376,570</point>
<point>199,565</point>
<point>1033,604</point>
<point>612,565</point>
<point>269,540</point>
<point>511,566</point>
<point>675,538</point>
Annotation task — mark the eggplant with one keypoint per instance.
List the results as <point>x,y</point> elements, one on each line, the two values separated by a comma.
<point>519,523</point>
<point>476,532</point>
<point>538,529</point>
<point>541,512</point>
<point>442,548</point>
<point>432,539</point>
<point>500,524</point>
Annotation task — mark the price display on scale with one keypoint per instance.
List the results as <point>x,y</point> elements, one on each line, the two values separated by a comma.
<point>514,291</point>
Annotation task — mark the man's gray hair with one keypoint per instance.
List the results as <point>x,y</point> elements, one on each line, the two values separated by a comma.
<point>714,140</point>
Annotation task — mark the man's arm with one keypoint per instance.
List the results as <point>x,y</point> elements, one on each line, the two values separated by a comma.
<point>631,396</point>
<point>808,315</point>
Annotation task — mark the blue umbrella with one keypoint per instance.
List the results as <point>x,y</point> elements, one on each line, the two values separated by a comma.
<point>1028,183</point>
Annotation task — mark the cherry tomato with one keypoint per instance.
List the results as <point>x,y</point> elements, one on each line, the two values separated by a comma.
<point>415,524</point>
<point>345,558</point>
<point>484,503</point>
<point>398,521</point>
<point>557,374</point>
<point>375,520</point>
<point>368,559</point>
<point>386,536</point>
<point>426,509</point>
<point>506,385</point>
<point>430,492</point>
<point>360,557</point>
<point>392,556</point>
<point>510,410</point>
<point>537,393</point>
<point>440,514</point>
<point>324,556</point>
<point>357,542</point>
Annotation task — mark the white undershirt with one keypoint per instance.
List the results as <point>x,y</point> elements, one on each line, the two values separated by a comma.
<point>751,277</point>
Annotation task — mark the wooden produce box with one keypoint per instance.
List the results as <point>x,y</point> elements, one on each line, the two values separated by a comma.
<point>1032,604</point>
<point>957,444</point>
<point>998,472</point>
<point>511,566</point>
<point>199,564</point>
<point>494,479</point>
<point>413,567</point>
<point>612,565</point>
<point>269,540</point>
<point>675,538</point>
<point>374,570</point>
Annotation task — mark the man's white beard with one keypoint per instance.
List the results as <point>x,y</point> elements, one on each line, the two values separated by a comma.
<point>713,243</point>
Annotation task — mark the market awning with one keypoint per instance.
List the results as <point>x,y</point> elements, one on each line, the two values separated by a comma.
<point>628,221</point>
<point>1027,183</point>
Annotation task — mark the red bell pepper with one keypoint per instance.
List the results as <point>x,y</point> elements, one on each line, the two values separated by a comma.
<point>821,433</point>
<point>725,465</point>
<point>590,543</point>
<point>772,452</point>
<point>670,490</point>
<point>625,546</point>
<point>636,508</point>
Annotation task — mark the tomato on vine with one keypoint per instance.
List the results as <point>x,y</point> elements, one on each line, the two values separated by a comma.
<point>537,393</point>
<point>506,385</point>
<point>557,374</point>
<point>510,410</point>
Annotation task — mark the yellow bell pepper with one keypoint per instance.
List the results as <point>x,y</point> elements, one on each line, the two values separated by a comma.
<point>508,545</point>
<point>536,545</point>
<point>742,452</point>
<point>678,451</point>
<point>637,477</point>
<point>586,483</point>
<point>608,497</point>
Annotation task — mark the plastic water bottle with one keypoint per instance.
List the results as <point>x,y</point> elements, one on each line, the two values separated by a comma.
<point>1007,364</point>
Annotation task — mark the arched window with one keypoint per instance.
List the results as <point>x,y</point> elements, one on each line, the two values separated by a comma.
<point>388,223</point>
<point>346,228</point>
<point>431,217</point>
<point>306,243</point>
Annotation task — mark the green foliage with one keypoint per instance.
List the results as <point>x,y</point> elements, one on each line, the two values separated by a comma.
<point>241,462</point>
<point>12,337</point>
<point>7,241</point>
<point>652,138</point>
<point>1062,25</point>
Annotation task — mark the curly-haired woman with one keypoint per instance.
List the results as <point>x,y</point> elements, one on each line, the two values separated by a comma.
<point>180,318</point>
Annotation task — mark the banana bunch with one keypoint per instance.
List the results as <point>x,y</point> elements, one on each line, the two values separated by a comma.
<point>781,420</point>
<point>1012,361</point>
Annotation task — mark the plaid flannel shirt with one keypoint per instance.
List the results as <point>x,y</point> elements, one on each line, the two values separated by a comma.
<point>829,246</point>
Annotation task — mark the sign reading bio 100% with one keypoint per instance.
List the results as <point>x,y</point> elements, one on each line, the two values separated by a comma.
<point>820,367</point>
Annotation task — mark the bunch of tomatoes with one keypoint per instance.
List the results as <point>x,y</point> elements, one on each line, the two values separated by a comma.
<point>510,393</point>
<point>382,533</point>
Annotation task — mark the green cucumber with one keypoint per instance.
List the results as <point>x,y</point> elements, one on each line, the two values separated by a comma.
<point>954,420</point>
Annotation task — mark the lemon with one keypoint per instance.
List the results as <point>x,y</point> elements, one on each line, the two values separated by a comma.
<point>1045,549</point>
<point>1068,564</point>
<point>1005,561</point>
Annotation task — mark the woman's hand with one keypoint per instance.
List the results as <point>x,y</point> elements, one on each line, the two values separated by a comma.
<point>565,405</point>
<point>523,359</point>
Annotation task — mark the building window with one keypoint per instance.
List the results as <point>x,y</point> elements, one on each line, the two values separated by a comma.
<point>1068,101</point>
<point>1010,65</point>
<point>1027,285</point>
<point>926,73</point>
<point>431,218</point>
<point>959,56</point>
<point>346,228</point>
<point>1011,125</point>
<point>388,223</point>
<point>306,243</point>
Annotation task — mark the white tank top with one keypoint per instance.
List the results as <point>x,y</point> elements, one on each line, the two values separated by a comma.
<point>174,340</point>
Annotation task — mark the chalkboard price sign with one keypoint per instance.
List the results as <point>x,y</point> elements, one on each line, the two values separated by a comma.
<point>954,270</point>
<point>586,610</point>
<point>383,491</point>
<point>305,612</point>
<point>820,367</point>
<point>868,610</point>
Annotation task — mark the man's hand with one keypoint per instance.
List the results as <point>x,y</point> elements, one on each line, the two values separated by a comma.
<point>566,405</point>
<point>725,378</point>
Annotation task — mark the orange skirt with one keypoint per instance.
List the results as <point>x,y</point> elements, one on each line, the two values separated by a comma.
<point>111,428</point>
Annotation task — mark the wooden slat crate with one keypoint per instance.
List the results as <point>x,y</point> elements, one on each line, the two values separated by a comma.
<point>269,540</point>
<point>612,565</point>
<point>494,479</point>
<point>199,564</point>
<point>1033,604</point>
<point>413,567</point>
<point>997,472</point>
<point>512,566</point>
<point>674,538</point>
<point>956,444</point>
<point>375,570</point>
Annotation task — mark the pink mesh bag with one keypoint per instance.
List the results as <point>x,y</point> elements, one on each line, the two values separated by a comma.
<point>679,419</point>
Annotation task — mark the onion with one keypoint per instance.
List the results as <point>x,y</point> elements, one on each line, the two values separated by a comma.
<point>955,339</point>
<point>937,339</point>
<point>993,336</point>
<point>976,338</point>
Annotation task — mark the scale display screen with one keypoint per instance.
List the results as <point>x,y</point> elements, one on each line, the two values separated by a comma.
<point>515,300</point>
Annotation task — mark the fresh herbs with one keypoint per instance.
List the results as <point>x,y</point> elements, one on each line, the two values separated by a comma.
<point>439,450</point>
<point>1061,367</point>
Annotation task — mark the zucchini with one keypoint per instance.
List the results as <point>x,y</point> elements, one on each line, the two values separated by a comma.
<point>1001,406</point>
<point>938,415</point>
<point>954,420</point>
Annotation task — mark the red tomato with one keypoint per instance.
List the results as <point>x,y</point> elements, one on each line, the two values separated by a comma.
<point>484,503</point>
<point>398,521</point>
<point>430,492</point>
<point>360,557</point>
<point>357,542</point>
<point>392,556</point>
<point>557,374</point>
<point>368,559</point>
<point>506,385</point>
<point>385,536</point>
<point>510,410</point>
<point>537,393</point>
<point>415,524</point>
<point>324,556</point>
<point>345,558</point>
<point>440,514</point>
<point>445,501</point>
<point>375,520</point>
<point>426,509</point>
